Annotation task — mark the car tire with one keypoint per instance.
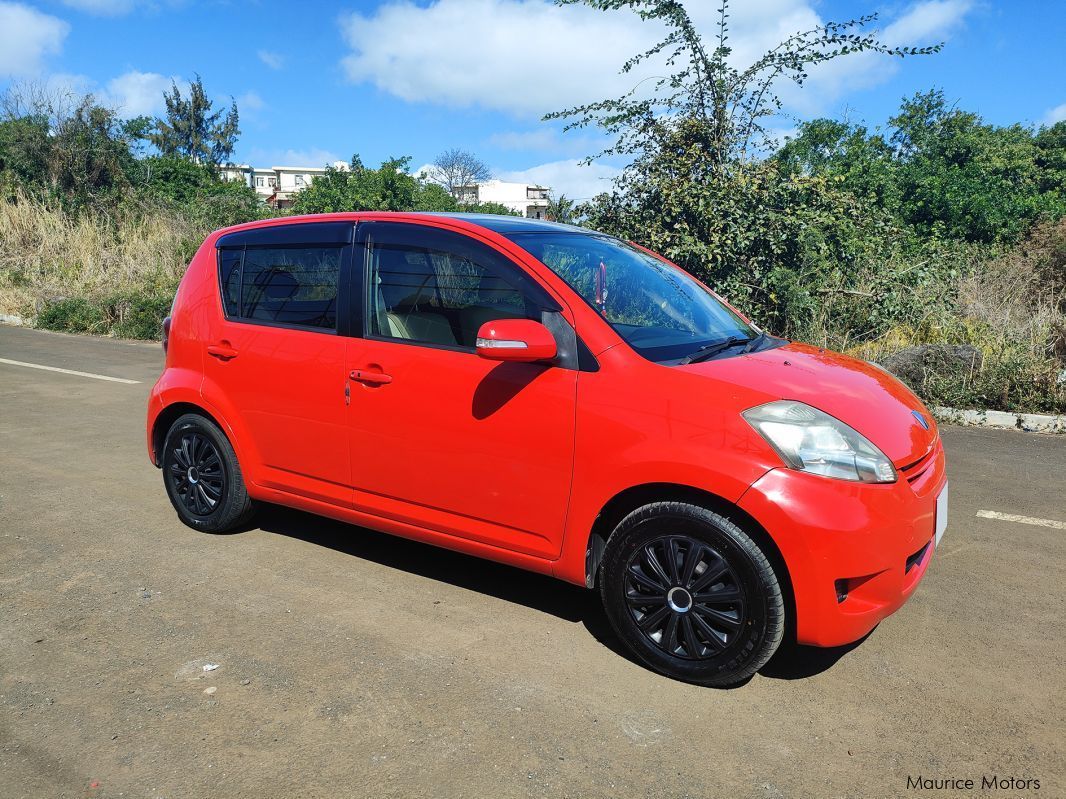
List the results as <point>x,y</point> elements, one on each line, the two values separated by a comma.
<point>203,478</point>
<point>691,595</point>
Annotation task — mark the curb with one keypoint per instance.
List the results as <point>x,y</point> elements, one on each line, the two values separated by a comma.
<point>12,319</point>
<point>1004,420</point>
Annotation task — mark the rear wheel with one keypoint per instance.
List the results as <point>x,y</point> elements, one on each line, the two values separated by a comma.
<point>202,476</point>
<point>691,594</point>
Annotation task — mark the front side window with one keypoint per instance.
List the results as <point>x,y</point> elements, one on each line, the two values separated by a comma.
<point>423,290</point>
<point>661,312</point>
<point>286,286</point>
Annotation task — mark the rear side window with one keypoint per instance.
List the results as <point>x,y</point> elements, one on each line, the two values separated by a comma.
<point>282,285</point>
<point>229,272</point>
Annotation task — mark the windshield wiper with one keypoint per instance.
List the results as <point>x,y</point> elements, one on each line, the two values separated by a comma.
<point>710,350</point>
<point>755,343</point>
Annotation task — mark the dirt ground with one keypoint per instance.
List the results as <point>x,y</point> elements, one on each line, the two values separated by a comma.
<point>354,664</point>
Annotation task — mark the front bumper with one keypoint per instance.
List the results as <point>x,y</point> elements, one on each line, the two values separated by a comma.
<point>855,552</point>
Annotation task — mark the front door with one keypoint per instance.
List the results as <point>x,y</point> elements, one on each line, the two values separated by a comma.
<point>440,437</point>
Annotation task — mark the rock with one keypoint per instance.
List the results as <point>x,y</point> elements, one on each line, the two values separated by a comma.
<point>913,364</point>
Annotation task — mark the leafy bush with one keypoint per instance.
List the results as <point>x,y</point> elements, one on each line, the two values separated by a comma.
<point>74,315</point>
<point>137,316</point>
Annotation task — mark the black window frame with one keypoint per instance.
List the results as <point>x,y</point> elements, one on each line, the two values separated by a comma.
<point>305,235</point>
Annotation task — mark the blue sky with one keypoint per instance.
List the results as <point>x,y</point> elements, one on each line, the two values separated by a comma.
<point>316,81</point>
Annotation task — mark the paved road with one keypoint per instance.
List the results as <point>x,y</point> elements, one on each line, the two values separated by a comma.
<point>356,664</point>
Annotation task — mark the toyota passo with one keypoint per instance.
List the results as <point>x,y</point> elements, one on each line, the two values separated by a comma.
<point>560,401</point>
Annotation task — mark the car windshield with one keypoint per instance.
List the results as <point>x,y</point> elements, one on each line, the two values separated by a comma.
<point>660,311</point>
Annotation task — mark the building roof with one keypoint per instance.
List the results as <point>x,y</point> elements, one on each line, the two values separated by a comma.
<point>298,168</point>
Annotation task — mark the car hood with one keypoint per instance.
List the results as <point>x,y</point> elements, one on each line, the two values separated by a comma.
<point>863,396</point>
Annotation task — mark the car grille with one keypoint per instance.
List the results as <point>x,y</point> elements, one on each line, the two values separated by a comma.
<point>912,471</point>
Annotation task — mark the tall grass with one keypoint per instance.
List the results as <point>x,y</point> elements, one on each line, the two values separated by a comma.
<point>92,272</point>
<point>1011,307</point>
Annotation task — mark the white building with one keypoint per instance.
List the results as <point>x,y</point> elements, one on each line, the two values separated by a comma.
<point>276,185</point>
<point>529,200</point>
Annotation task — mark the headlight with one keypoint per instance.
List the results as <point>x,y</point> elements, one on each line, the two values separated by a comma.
<point>815,442</point>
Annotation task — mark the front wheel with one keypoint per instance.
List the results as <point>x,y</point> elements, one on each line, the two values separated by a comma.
<point>691,595</point>
<point>202,476</point>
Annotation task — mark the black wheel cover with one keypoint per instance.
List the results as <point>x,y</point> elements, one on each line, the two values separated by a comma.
<point>196,473</point>
<point>684,597</point>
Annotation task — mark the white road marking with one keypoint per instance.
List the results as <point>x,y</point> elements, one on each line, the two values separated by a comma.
<point>1011,517</point>
<point>74,372</point>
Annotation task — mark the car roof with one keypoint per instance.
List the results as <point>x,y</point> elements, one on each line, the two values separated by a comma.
<point>497,223</point>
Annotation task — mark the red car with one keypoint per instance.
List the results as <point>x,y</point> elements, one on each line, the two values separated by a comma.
<point>557,400</point>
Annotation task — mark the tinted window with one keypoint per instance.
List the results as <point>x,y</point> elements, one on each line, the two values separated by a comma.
<point>422,289</point>
<point>290,285</point>
<point>229,272</point>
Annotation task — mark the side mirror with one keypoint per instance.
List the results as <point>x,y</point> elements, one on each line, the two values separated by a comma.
<point>519,340</point>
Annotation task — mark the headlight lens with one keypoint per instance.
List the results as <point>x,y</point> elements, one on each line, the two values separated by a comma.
<point>813,441</point>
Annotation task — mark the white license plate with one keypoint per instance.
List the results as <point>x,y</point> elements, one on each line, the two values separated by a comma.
<point>941,514</point>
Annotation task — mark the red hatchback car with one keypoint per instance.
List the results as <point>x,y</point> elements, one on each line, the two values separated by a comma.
<point>558,400</point>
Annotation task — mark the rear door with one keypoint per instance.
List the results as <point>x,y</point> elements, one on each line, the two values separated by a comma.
<point>276,357</point>
<point>441,437</point>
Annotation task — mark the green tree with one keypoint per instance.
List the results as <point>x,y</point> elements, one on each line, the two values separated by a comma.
<point>90,154</point>
<point>722,107</point>
<point>781,243</point>
<point>359,188</point>
<point>193,130</point>
<point>942,171</point>
<point>963,178</point>
<point>24,151</point>
<point>561,209</point>
<point>198,191</point>
<point>1051,161</point>
<point>861,163</point>
<point>62,144</point>
<point>490,207</point>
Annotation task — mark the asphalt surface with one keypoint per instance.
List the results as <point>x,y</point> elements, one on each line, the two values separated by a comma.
<point>355,664</point>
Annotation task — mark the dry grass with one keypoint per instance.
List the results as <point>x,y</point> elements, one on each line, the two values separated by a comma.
<point>1012,308</point>
<point>47,254</point>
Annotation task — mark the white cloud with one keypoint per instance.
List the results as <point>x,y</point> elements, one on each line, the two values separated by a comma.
<point>1056,114</point>
<point>271,59</point>
<point>548,140</point>
<point>529,57</point>
<point>542,139</point>
<point>250,101</point>
<point>104,8</point>
<point>569,177</point>
<point>491,52</point>
<point>924,24</point>
<point>135,93</point>
<point>927,22</point>
<point>425,169</point>
<point>27,37</point>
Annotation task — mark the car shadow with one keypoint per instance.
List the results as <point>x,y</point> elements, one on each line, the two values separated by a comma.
<point>565,601</point>
<point>794,661</point>
<point>539,592</point>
